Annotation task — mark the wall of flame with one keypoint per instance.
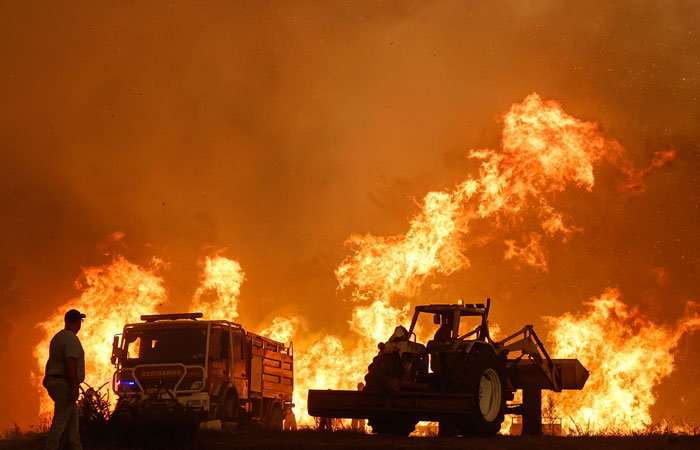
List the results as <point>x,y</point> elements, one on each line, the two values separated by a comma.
<point>544,152</point>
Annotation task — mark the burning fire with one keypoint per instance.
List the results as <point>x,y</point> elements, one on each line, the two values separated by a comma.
<point>381,267</point>
<point>327,362</point>
<point>112,295</point>
<point>544,152</point>
<point>120,293</point>
<point>627,355</point>
<point>282,329</point>
<point>217,296</point>
<point>317,368</point>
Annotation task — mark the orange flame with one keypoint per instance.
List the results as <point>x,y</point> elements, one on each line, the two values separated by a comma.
<point>544,151</point>
<point>627,355</point>
<point>636,177</point>
<point>120,293</point>
<point>550,149</point>
<point>113,295</point>
<point>282,329</point>
<point>531,253</point>
<point>381,267</point>
<point>217,295</point>
<point>327,363</point>
<point>324,365</point>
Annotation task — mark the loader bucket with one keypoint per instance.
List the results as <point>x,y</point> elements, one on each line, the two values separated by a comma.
<point>527,374</point>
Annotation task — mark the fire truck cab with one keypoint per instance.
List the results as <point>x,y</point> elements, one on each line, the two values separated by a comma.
<point>212,369</point>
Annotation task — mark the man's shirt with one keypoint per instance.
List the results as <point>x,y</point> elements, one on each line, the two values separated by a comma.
<point>65,344</point>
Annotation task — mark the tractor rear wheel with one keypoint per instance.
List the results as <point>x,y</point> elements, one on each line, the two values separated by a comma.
<point>384,368</point>
<point>481,373</point>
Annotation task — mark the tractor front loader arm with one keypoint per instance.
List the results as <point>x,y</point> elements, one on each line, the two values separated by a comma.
<point>529,344</point>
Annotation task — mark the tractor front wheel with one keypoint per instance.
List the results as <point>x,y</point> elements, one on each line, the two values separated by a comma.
<point>481,373</point>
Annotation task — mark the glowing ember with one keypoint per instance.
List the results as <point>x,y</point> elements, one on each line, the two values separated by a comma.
<point>217,296</point>
<point>627,355</point>
<point>113,295</point>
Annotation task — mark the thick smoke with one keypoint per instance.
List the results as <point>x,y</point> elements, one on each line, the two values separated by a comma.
<point>279,130</point>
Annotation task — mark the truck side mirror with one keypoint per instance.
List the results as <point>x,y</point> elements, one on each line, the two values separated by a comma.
<point>436,319</point>
<point>116,351</point>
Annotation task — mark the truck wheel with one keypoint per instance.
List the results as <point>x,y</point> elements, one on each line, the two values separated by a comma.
<point>229,408</point>
<point>481,373</point>
<point>275,419</point>
<point>400,427</point>
<point>384,368</point>
<point>122,423</point>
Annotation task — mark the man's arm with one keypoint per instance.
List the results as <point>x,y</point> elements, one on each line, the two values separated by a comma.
<point>72,373</point>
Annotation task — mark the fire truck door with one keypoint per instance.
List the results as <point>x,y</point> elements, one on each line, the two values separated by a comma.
<point>217,357</point>
<point>240,377</point>
<point>226,351</point>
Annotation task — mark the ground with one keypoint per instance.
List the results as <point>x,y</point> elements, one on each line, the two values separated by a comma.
<point>307,439</point>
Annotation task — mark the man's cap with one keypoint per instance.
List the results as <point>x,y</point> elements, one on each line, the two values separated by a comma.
<point>74,316</point>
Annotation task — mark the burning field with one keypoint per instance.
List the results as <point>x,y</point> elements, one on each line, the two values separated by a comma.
<point>571,206</point>
<point>545,152</point>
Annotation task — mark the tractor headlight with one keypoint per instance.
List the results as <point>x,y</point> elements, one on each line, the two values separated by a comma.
<point>196,385</point>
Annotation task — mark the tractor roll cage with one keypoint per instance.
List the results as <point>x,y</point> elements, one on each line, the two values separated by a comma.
<point>455,312</point>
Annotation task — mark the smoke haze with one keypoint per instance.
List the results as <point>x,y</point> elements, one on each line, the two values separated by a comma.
<point>276,130</point>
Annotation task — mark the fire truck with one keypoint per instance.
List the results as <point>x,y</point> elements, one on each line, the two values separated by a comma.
<point>207,369</point>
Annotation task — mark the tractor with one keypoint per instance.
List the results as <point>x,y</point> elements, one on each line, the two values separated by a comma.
<point>463,381</point>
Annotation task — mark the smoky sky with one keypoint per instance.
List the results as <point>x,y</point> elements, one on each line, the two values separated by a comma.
<point>277,129</point>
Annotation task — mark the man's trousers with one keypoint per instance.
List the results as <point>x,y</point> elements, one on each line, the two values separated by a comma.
<point>65,414</point>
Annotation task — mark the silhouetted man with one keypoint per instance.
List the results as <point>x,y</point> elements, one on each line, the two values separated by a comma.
<point>65,370</point>
<point>444,333</point>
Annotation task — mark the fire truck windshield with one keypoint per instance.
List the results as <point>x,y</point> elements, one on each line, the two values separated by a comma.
<point>162,346</point>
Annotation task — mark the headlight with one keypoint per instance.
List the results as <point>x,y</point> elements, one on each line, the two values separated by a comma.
<point>196,385</point>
